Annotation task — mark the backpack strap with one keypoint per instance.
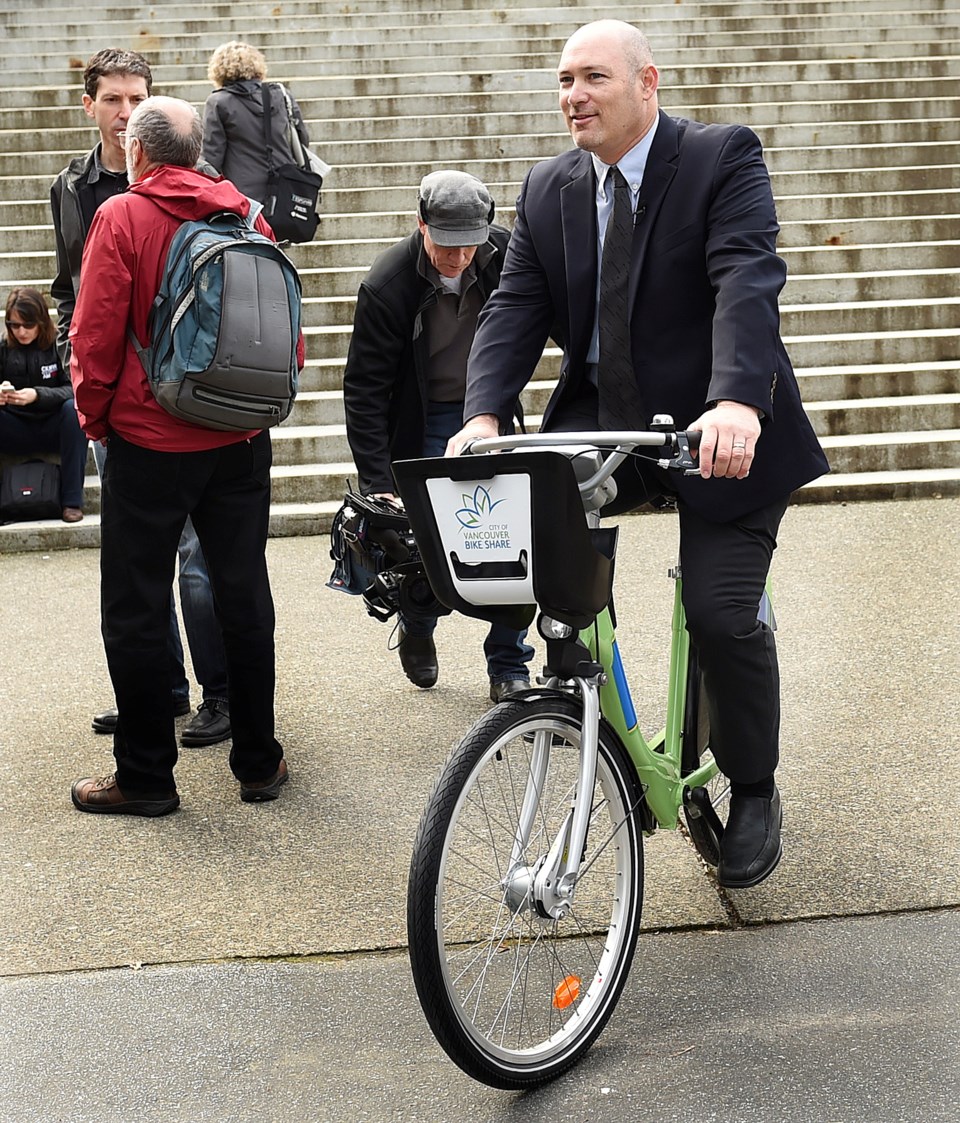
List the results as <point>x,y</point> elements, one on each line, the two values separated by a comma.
<point>267,109</point>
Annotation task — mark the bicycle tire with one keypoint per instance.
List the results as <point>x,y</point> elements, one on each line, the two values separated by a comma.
<point>515,999</point>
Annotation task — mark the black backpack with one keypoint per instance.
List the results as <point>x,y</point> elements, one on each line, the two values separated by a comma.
<point>30,491</point>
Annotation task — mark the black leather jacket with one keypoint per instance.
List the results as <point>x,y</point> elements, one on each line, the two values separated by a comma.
<point>385,379</point>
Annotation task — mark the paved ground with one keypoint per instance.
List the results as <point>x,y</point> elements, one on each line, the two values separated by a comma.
<point>123,943</point>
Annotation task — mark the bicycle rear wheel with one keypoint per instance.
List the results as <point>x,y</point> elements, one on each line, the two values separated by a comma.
<point>515,997</point>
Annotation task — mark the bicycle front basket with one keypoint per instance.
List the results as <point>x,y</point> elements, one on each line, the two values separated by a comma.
<point>503,533</point>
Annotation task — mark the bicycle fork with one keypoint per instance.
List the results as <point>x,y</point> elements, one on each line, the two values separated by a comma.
<point>547,888</point>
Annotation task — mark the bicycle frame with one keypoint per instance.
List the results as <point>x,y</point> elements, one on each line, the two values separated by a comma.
<point>657,761</point>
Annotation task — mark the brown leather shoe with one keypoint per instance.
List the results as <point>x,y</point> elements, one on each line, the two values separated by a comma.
<point>260,790</point>
<point>103,797</point>
<point>72,515</point>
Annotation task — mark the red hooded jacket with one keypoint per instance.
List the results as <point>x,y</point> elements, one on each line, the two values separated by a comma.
<point>122,268</point>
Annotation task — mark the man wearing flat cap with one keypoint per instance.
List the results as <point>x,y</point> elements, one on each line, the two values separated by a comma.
<point>403,385</point>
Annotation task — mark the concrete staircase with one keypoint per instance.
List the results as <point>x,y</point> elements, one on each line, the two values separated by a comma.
<point>857,103</point>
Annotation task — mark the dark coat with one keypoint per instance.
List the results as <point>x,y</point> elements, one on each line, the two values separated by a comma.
<point>39,368</point>
<point>704,286</point>
<point>70,233</point>
<point>233,134</point>
<point>385,379</point>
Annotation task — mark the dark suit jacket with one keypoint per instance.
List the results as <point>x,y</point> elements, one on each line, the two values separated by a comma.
<point>703,288</point>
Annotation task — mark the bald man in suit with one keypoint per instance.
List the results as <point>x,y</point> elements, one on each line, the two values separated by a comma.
<point>704,346</point>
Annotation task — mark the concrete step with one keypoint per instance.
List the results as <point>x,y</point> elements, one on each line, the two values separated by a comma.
<point>844,487</point>
<point>857,332</point>
<point>875,292</point>
<point>840,249</point>
<point>812,124</point>
<point>322,308</point>
<point>322,96</point>
<point>174,41</point>
<point>895,386</point>
<point>382,186</point>
<point>169,37</point>
<point>928,450</point>
<point>788,10</point>
<point>788,148</point>
<point>914,413</point>
<point>25,200</point>
<point>749,101</point>
<point>859,208</point>
<point>362,12</point>
<point>370,75</point>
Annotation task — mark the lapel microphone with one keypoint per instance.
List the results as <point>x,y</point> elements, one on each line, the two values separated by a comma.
<point>639,213</point>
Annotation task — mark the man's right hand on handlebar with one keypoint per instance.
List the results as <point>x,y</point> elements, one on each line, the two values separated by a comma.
<point>477,428</point>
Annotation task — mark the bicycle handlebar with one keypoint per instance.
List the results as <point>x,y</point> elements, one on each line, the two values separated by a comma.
<point>675,447</point>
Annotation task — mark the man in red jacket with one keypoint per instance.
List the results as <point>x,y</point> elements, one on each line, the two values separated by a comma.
<point>160,470</point>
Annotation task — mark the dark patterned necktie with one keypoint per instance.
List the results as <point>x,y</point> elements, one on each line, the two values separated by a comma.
<point>620,405</point>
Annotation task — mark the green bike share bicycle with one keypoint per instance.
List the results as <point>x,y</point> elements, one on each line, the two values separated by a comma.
<point>526,881</point>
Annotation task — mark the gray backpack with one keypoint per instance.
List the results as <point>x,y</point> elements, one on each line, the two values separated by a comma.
<point>224,326</point>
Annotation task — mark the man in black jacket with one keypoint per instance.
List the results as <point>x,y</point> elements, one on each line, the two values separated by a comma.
<point>403,385</point>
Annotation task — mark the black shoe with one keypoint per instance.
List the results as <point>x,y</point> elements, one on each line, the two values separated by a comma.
<point>750,848</point>
<point>107,721</point>
<point>210,726</point>
<point>418,657</point>
<point>262,790</point>
<point>500,691</point>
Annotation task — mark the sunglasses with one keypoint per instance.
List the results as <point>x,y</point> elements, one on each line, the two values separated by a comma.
<point>12,326</point>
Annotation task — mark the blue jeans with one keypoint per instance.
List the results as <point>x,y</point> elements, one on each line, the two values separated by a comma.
<point>506,653</point>
<point>199,618</point>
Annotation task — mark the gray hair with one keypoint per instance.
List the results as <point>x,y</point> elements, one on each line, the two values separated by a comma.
<point>160,139</point>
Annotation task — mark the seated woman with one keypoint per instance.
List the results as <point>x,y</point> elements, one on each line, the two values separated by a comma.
<point>36,404</point>
<point>233,120</point>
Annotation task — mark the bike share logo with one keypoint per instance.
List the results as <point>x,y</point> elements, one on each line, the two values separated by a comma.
<point>477,525</point>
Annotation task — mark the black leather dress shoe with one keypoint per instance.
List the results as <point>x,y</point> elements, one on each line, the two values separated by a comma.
<point>210,726</point>
<point>107,721</point>
<point>750,848</point>
<point>499,691</point>
<point>418,657</point>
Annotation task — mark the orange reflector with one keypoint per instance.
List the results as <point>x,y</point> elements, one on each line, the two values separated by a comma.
<point>567,992</point>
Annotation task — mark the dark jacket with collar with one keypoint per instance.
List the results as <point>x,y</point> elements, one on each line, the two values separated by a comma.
<point>704,287</point>
<point>385,379</point>
<point>70,233</point>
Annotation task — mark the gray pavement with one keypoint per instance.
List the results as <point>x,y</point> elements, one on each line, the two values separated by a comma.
<point>238,962</point>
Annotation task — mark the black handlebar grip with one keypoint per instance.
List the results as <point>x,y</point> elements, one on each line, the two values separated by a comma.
<point>693,438</point>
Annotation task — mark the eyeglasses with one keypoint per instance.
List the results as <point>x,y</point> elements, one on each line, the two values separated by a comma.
<point>11,326</point>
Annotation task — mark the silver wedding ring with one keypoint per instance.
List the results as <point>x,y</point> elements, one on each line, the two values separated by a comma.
<point>739,446</point>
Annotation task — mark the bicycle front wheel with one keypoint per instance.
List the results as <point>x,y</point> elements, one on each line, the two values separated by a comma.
<point>513,996</point>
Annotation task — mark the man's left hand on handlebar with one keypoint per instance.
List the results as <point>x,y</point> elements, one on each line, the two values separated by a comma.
<point>730,433</point>
<point>477,428</point>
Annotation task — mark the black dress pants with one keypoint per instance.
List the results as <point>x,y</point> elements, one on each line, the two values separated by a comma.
<point>724,570</point>
<point>146,498</point>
